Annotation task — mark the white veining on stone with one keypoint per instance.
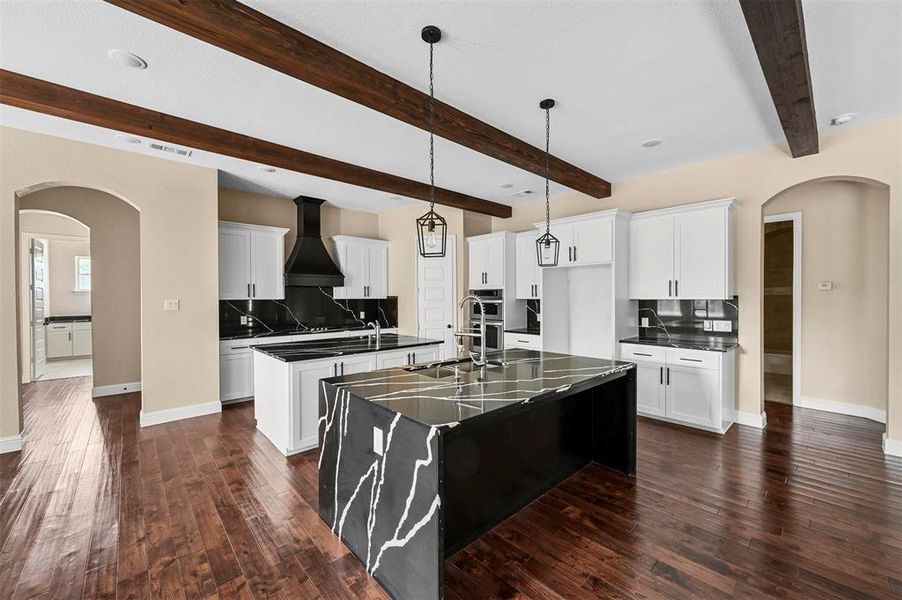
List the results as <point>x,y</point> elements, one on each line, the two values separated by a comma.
<point>250,316</point>
<point>342,307</point>
<point>374,505</point>
<point>374,470</point>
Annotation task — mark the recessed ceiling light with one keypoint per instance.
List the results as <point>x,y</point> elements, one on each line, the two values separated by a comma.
<point>506,186</point>
<point>127,59</point>
<point>128,139</point>
<point>651,143</point>
<point>267,169</point>
<point>842,119</point>
<point>395,198</point>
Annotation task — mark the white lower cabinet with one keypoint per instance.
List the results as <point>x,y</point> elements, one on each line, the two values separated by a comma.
<point>690,387</point>
<point>525,341</point>
<point>64,340</point>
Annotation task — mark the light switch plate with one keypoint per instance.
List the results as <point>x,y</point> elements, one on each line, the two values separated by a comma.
<point>643,322</point>
<point>362,314</point>
<point>170,304</point>
<point>709,325</point>
<point>723,326</point>
<point>824,286</point>
<point>377,441</point>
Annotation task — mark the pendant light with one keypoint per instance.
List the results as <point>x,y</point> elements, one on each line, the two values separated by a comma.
<point>432,229</point>
<point>547,246</point>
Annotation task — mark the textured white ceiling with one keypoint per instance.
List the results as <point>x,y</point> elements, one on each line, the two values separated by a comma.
<point>621,72</point>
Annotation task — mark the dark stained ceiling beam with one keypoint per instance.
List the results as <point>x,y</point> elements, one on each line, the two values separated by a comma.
<point>778,32</point>
<point>246,32</point>
<point>49,98</point>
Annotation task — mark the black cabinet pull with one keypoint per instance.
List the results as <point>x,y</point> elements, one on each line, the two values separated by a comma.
<point>253,290</point>
<point>414,358</point>
<point>668,375</point>
<point>669,287</point>
<point>662,374</point>
<point>640,354</point>
<point>574,253</point>
<point>569,253</point>
<point>334,369</point>
<point>676,288</point>
<point>342,368</point>
<point>248,290</point>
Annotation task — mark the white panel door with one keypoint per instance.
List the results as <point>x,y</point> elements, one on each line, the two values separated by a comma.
<point>477,264</point>
<point>377,258</point>
<point>436,306</point>
<point>267,266</point>
<point>593,241</point>
<point>650,388</point>
<point>691,395</point>
<point>700,262</point>
<point>529,276</point>
<point>591,321</point>
<point>494,262</point>
<point>234,265</point>
<point>38,308</point>
<point>651,258</point>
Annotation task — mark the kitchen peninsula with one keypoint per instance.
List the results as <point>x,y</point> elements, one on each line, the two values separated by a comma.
<point>287,376</point>
<point>417,462</point>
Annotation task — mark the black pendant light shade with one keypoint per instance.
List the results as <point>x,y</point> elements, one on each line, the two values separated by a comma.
<point>432,229</point>
<point>547,246</point>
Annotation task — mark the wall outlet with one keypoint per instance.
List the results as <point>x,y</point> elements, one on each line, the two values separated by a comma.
<point>362,314</point>
<point>538,317</point>
<point>643,322</point>
<point>709,325</point>
<point>170,304</point>
<point>723,326</point>
<point>243,320</point>
<point>824,286</point>
<point>377,441</point>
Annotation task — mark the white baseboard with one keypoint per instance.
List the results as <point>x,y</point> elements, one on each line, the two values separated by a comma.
<point>756,420</point>
<point>183,412</point>
<point>843,408</point>
<point>892,447</point>
<point>116,388</point>
<point>13,443</point>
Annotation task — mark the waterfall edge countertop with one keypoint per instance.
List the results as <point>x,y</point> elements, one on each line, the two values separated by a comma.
<point>433,396</point>
<point>332,348</point>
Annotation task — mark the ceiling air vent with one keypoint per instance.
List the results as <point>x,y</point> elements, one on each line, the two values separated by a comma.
<point>170,149</point>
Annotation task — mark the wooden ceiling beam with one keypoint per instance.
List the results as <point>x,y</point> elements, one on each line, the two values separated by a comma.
<point>52,99</point>
<point>246,32</point>
<point>778,32</point>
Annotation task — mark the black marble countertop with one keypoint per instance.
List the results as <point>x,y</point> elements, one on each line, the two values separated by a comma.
<point>524,331</point>
<point>315,349</point>
<point>247,333</point>
<point>68,319</point>
<point>434,397</point>
<point>686,342</point>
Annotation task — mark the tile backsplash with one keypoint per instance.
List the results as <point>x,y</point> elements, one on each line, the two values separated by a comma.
<point>685,318</point>
<point>303,308</point>
<point>533,312</point>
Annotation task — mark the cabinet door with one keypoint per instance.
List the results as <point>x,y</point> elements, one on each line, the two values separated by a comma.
<point>59,341</point>
<point>528,278</point>
<point>651,258</point>
<point>494,262</point>
<point>360,363</point>
<point>692,395</point>
<point>378,272</point>
<point>234,264</point>
<point>267,266</point>
<point>476,263</point>
<point>424,354</point>
<point>354,261</point>
<point>236,375</point>
<point>389,360</point>
<point>593,241</point>
<point>650,388</point>
<point>81,342</point>
<point>564,233</point>
<point>701,255</point>
<point>304,409</point>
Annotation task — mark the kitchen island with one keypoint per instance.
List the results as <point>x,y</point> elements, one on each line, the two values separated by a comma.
<point>416,463</point>
<point>287,376</point>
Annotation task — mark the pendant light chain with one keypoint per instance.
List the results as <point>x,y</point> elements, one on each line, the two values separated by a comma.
<point>432,228</point>
<point>547,151</point>
<point>431,130</point>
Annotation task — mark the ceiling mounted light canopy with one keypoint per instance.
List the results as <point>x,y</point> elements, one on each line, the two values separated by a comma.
<point>432,229</point>
<point>547,246</point>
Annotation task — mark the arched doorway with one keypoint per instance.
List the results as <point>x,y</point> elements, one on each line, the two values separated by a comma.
<point>825,296</point>
<point>115,308</point>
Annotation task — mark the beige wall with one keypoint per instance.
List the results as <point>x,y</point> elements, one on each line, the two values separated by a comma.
<point>845,240</point>
<point>116,277</point>
<point>178,239</point>
<point>259,209</point>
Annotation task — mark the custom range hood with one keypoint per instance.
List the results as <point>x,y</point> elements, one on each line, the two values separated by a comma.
<point>309,264</point>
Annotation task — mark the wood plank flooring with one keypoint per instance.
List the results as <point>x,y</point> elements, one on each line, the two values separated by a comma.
<point>96,507</point>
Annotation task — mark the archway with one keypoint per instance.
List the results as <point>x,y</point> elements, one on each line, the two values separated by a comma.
<point>836,230</point>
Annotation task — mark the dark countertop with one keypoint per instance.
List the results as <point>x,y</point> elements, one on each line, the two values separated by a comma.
<point>687,342</point>
<point>68,319</point>
<point>524,331</point>
<point>314,349</point>
<point>247,333</point>
<point>526,376</point>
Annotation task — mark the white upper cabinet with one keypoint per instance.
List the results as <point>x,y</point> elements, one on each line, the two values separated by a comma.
<point>251,262</point>
<point>529,273</point>
<point>491,259</point>
<point>364,263</point>
<point>683,252</point>
<point>585,239</point>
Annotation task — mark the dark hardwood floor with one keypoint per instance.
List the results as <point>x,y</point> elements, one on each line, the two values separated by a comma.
<point>96,507</point>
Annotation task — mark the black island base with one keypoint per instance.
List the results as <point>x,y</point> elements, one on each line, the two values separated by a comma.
<point>416,463</point>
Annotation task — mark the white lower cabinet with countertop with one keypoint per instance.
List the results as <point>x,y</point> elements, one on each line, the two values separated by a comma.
<point>292,425</point>
<point>525,341</point>
<point>689,387</point>
<point>68,339</point>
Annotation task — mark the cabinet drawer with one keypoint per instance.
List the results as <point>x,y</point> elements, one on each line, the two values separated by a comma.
<point>59,327</point>
<point>81,326</point>
<point>522,340</point>
<point>641,352</point>
<point>700,359</point>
